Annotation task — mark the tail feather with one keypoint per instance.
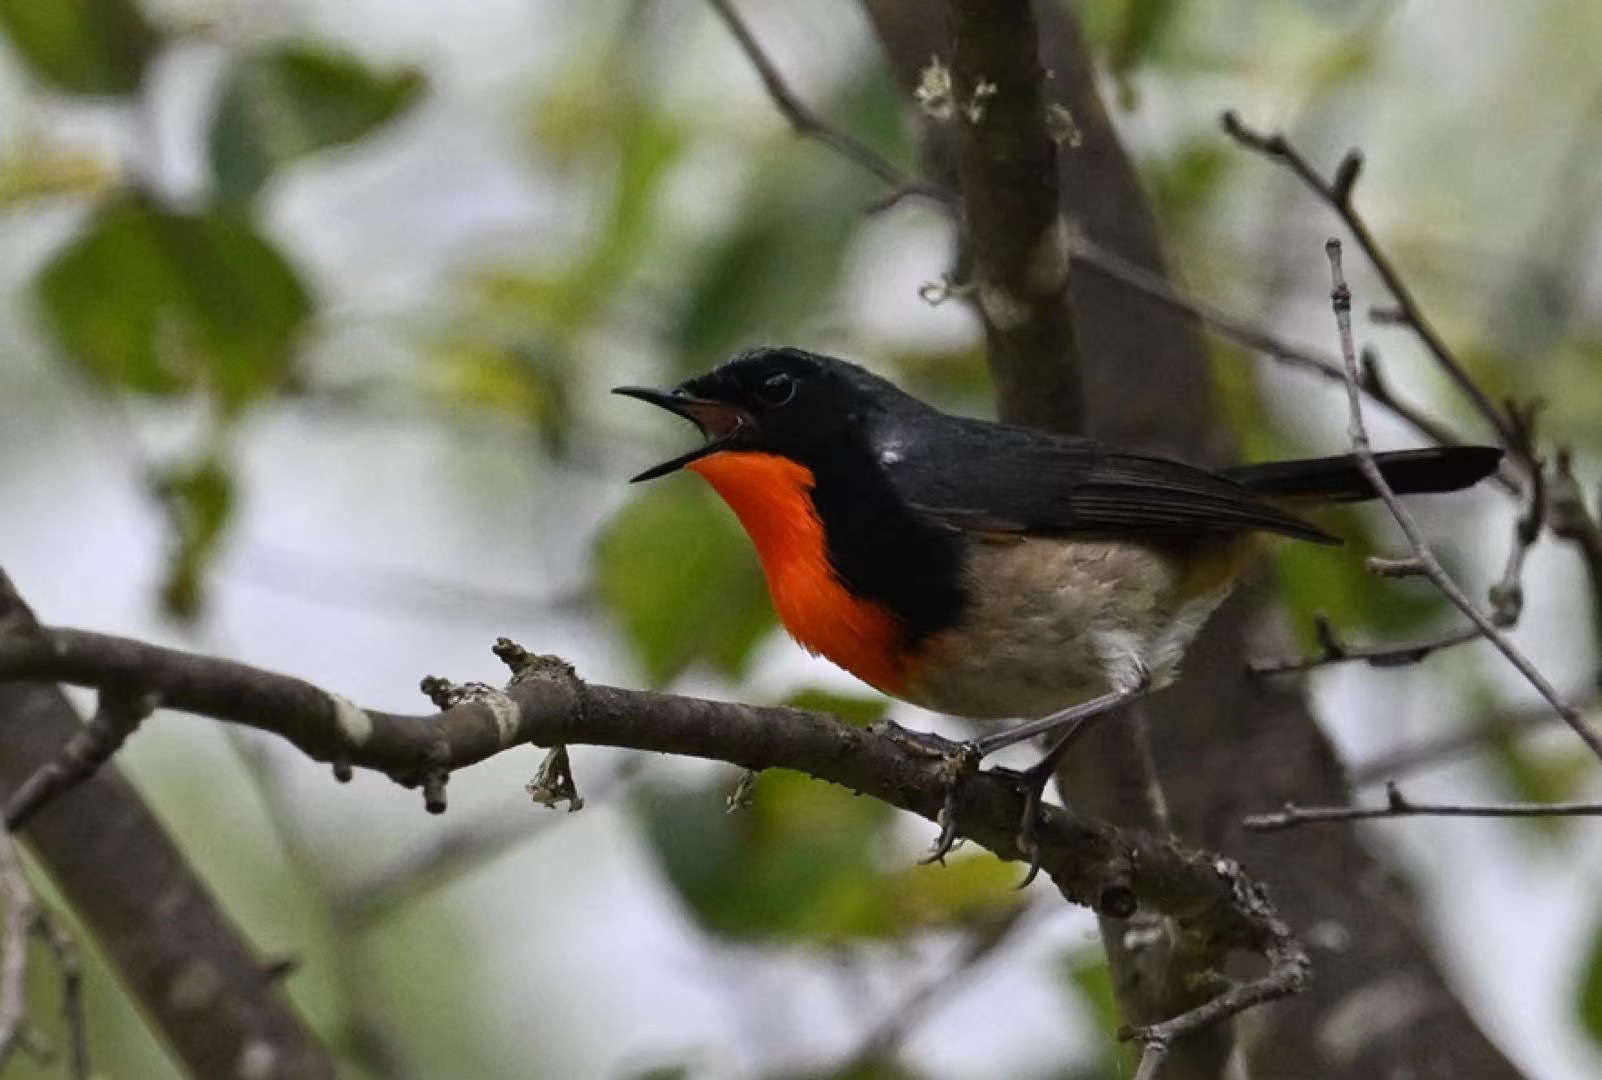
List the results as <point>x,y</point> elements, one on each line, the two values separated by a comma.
<point>1340,479</point>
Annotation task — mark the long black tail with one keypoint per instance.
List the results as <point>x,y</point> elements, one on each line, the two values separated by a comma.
<point>1338,479</point>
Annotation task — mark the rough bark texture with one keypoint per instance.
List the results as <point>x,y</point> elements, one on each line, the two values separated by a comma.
<point>177,953</point>
<point>1224,746</point>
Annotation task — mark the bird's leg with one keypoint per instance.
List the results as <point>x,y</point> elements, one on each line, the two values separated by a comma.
<point>1071,723</point>
<point>962,761</point>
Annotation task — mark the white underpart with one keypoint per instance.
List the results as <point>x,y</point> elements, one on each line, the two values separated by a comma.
<point>1165,653</point>
<point>1124,658</point>
<point>1059,622</point>
<point>353,721</point>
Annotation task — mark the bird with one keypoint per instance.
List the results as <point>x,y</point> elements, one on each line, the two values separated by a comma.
<point>986,570</point>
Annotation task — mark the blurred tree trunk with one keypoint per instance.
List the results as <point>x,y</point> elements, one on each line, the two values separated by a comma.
<point>1223,746</point>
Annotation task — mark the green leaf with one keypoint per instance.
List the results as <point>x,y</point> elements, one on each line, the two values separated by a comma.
<point>677,572</point>
<point>295,100</point>
<point>158,302</point>
<point>96,47</point>
<point>199,500</point>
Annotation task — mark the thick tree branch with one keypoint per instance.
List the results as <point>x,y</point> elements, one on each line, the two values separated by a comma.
<point>1014,234</point>
<point>1091,862</point>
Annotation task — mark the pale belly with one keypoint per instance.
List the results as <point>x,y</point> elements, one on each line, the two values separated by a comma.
<point>1055,623</point>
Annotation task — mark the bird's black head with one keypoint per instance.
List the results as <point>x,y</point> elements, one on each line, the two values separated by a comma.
<point>778,401</point>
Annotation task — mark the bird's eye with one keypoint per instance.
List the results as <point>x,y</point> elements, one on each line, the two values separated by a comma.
<point>776,389</point>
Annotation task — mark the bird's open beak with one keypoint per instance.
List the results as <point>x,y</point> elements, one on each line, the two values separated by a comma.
<point>718,421</point>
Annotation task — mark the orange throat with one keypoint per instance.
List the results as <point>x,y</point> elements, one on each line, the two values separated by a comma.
<point>772,497</point>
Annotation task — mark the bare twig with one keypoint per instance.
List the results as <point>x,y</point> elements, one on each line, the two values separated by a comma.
<point>1333,649</point>
<point>1337,192</point>
<point>1152,1059</point>
<point>1398,805</point>
<point>1287,973</point>
<point>807,123</point>
<point>119,715</point>
<point>1423,560</point>
<point>1258,339</point>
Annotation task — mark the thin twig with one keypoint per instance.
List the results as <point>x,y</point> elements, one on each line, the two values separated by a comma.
<point>1248,335</point>
<point>807,123</point>
<point>1423,560</point>
<point>120,713</point>
<point>1332,649</point>
<point>1398,805</point>
<point>1152,1059</point>
<point>1337,192</point>
<point>1288,971</point>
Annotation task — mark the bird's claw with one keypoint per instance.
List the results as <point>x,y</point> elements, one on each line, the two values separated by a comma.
<point>960,762</point>
<point>1031,783</point>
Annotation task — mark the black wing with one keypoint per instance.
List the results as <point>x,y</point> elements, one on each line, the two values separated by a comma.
<point>983,477</point>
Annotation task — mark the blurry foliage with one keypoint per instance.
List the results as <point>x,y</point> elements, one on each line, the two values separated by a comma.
<point>154,301</point>
<point>1129,32</point>
<point>677,572</point>
<point>150,299</point>
<point>1531,773</point>
<point>36,170</point>
<point>295,100</point>
<point>94,47</point>
<point>1588,995</point>
<point>1091,980</point>
<point>199,499</point>
<point>803,863</point>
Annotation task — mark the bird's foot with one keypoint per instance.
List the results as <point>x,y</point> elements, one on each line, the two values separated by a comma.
<point>959,761</point>
<point>1031,784</point>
